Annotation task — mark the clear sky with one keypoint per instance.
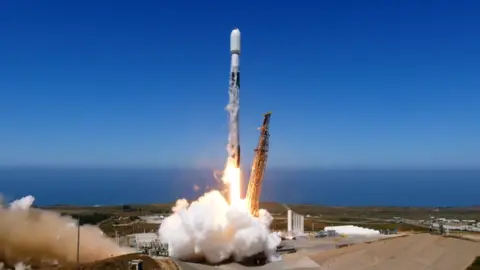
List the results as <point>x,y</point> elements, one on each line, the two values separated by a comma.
<point>351,84</point>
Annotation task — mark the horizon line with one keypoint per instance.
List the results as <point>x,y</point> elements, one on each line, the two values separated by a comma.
<point>278,168</point>
<point>268,202</point>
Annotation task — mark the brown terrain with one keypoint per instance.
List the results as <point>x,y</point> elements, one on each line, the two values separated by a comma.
<point>417,251</point>
<point>122,263</point>
<point>420,251</point>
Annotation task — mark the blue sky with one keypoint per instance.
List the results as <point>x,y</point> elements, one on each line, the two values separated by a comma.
<point>351,84</point>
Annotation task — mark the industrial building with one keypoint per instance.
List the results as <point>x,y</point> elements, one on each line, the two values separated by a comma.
<point>456,227</point>
<point>141,239</point>
<point>147,243</point>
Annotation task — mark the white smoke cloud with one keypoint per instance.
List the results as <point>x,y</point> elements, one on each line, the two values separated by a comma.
<point>21,266</point>
<point>22,204</point>
<point>17,266</point>
<point>211,229</point>
<point>34,234</point>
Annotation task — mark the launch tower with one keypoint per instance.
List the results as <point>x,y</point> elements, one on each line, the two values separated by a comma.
<point>258,167</point>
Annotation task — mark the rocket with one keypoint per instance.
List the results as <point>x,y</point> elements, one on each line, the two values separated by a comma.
<point>234,100</point>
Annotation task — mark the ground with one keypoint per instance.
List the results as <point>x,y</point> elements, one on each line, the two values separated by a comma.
<point>421,251</point>
<point>405,251</point>
<point>123,219</point>
<point>121,262</point>
<point>417,251</point>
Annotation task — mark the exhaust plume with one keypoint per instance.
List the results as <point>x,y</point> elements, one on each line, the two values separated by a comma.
<point>211,229</point>
<point>33,234</point>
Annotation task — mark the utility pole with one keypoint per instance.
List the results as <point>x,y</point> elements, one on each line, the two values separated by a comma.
<point>78,244</point>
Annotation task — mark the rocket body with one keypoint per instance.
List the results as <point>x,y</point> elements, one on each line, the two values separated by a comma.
<point>234,99</point>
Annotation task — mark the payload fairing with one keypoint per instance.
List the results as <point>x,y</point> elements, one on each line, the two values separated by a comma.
<point>234,98</point>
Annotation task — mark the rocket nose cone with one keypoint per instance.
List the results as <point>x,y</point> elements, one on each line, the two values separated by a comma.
<point>235,33</point>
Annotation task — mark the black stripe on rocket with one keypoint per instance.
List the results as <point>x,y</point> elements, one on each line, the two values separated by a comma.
<point>235,79</point>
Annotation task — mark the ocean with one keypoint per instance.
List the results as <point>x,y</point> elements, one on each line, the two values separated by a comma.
<point>321,187</point>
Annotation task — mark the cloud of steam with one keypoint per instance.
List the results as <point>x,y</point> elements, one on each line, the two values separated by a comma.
<point>23,203</point>
<point>41,235</point>
<point>211,229</point>
<point>21,266</point>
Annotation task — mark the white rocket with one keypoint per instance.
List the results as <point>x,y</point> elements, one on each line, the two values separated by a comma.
<point>234,99</point>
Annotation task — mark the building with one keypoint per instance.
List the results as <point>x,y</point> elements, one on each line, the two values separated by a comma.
<point>155,219</point>
<point>141,239</point>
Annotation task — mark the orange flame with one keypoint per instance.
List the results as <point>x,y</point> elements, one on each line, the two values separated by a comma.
<point>231,176</point>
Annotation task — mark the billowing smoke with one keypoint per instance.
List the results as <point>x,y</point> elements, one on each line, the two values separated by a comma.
<point>23,203</point>
<point>211,229</point>
<point>36,235</point>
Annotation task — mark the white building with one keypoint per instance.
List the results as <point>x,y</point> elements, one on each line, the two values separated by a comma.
<point>141,239</point>
<point>155,219</point>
